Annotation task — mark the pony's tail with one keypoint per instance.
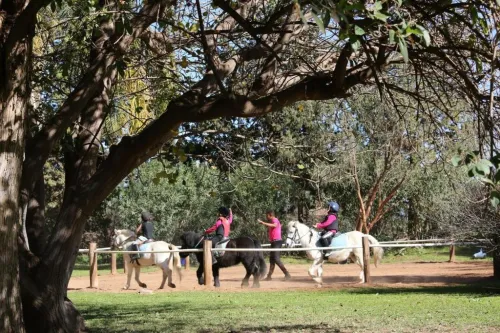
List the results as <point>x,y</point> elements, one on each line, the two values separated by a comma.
<point>261,261</point>
<point>177,264</point>
<point>378,252</point>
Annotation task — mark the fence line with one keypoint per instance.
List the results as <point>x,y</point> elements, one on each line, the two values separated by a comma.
<point>163,251</point>
<point>207,256</point>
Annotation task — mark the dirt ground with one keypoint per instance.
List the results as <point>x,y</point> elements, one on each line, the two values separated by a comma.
<point>335,276</point>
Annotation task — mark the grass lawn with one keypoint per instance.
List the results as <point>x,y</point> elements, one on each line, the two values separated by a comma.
<point>429,309</point>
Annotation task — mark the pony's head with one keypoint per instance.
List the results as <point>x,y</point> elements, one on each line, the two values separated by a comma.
<point>291,234</point>
<point>120,236</point>
<point>296,233</point>
<point>190,240</point>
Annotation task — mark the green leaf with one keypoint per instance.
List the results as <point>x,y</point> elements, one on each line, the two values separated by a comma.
<point>483,167</point>
<point>161,174</point>
<point>413,31</point>
<point>479,64</point>
<point>392,35</point>
<point>359,31</point>
<point>318,21</point>
<point>487,181</point>
<point>456,160</point>
<point>474,14</point>
<point>378,5</point>
<point>497,177</point>
<point>355,43</point>
<point>381,16</point>
<point>425,34</point>
<point>495,198</point>
<point>301,166</point>
<point>403,49</point>
<point>326,18</point>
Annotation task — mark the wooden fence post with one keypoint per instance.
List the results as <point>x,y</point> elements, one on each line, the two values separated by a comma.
<point>207,262</point>
<point>366,260</point>
<point>124,264</point>
<point>94,282</point>
<point>113,263</point>
<point>452,253</point>
<point>186,264</point>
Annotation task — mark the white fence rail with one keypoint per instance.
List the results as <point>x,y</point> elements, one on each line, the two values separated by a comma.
<point>207,249</point>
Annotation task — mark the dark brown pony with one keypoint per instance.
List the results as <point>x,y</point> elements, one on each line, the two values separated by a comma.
<point>253,261</point>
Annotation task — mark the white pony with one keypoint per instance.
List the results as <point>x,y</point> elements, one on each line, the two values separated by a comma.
<point>167,261</point>
<point>299,233</point>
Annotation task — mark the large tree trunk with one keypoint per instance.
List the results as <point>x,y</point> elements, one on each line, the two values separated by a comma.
<point>496,264</point>
<point>15,54</point>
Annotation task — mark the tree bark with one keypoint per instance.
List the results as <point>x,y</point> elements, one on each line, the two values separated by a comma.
<point>15,55</point>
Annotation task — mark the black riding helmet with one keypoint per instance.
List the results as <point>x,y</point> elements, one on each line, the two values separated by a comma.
<point>224,211</point>
<point>146,216</point>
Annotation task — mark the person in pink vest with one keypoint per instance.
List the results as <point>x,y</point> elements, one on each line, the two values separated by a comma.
<point>222,228</point>
<point>274,232</point>
<point>330,226</point>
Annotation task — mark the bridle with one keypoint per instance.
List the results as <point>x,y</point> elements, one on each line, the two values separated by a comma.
<point>296,233</point>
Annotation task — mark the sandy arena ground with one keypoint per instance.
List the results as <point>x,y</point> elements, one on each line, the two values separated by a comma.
<point>335,276</point>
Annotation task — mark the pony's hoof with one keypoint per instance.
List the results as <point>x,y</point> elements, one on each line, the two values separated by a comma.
<point>201,281</point>
<point>125,288</point>
<point>256,285</point>
<point>319,285</point>
<point>171,285</point>
<point>143,285</point>
<point>245,285</point>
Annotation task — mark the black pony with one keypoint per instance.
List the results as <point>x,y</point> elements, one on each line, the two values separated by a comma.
<point>253,261</point>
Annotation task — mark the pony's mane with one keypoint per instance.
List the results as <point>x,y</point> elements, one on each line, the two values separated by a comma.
<point>190,238</point>
<point>125,232</point>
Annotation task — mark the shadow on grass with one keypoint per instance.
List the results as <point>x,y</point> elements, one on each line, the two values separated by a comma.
<point>488,287</point>
<point>141,319</point>
<point>320,328</point>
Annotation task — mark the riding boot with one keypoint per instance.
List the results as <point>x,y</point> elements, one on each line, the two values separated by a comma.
<point>284,270</point>
<point>135,256</point>
<point>325,242</point>
<point>270,273</point>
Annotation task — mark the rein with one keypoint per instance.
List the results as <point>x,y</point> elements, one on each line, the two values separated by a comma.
<point>201,239</point>
<point>125,240</point>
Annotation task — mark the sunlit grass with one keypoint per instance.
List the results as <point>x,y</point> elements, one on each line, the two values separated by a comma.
<point>436,309</point>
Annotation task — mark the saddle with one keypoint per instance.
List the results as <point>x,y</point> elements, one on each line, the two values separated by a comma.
<point>221,245</point>
<point>146,246</point>
<point>338,240</point>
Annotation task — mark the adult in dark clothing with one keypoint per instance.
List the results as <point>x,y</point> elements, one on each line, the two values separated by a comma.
<point>145,232</point>
<point>274,232</point>
<point>146,227</point>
